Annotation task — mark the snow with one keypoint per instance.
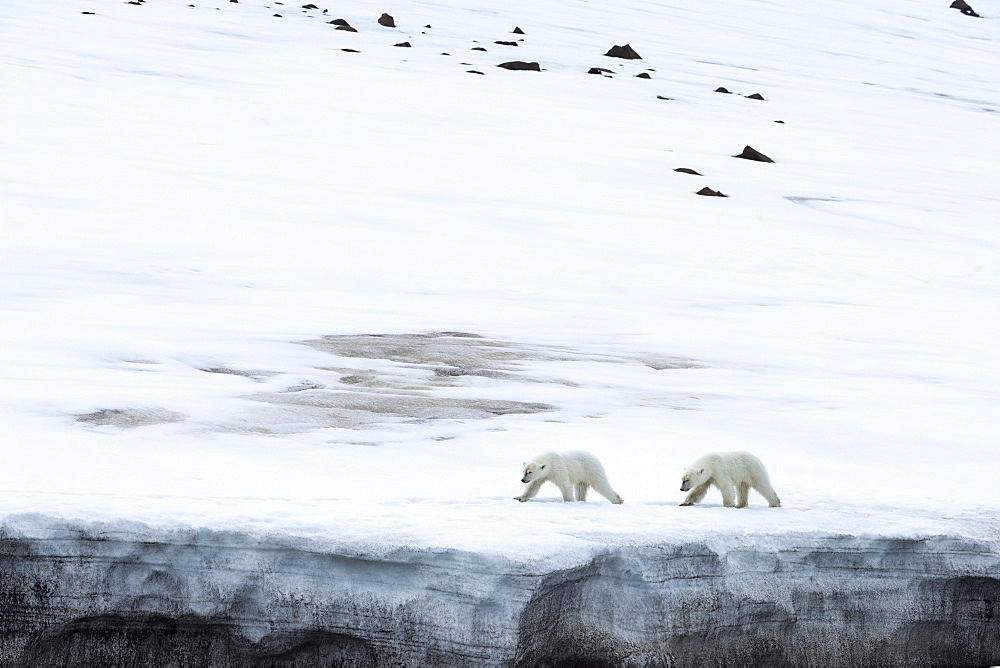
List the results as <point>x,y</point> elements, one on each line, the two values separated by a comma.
<point>189,194</point>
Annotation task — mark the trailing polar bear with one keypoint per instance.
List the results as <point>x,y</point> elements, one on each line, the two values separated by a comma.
<point>730,472</point>
<point>571,472</point>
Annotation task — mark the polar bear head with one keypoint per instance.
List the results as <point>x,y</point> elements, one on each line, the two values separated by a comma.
<point>533,471</point>
<point>693,477</point>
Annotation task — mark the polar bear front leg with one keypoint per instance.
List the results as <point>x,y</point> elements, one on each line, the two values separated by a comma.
<point>696,494</point>
<point>728,492</point>
<point>530,490</point>
<point>567,491</point>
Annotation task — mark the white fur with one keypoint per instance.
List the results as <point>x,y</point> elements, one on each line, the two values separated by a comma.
<point>734,473</point>
<point>571,472</point>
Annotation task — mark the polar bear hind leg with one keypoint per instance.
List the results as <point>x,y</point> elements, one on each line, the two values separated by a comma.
<point>581,491</point>
<point>742,494</point>
<point>604,489</point>
<point>768,493</point>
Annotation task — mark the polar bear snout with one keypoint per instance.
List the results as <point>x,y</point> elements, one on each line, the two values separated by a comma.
<point>684,487</point>
<point>526,478</point>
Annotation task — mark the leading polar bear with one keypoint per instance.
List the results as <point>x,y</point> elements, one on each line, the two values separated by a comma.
<point>730,472</point>
<point>571,471</point>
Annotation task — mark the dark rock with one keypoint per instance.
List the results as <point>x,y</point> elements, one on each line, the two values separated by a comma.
<point>507,43</point>
<point>93,12</point>
<point>428,25</point>
<point>782,122</point>
<point>517,31</point>
<point>310,6</point>
<point>660,97</point>
<point>475,72</point>
<point>521,65</point>
<point>347,28</point>
<point>708,192</point>
<point>387,21</point>
<point>687,170</point>
<point>599,70</point>
<point>753,154</point>
<point>478,48</point>
<point>643,75</point>
<point>339,22</point>
<point>626,52</point>
<point>351,50</point>
<point>720,89</point>
<point>406,44</point>
<point>277,16</point>
<point>964,7</point>
<point>755,96</point>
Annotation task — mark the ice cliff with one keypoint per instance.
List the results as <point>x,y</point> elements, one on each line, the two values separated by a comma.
<point>73,595</point>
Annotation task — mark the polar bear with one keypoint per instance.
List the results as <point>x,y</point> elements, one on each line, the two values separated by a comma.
<point>730,472</point>
<point>571,471</point>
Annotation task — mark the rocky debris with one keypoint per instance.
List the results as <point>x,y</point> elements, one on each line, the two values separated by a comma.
<point>404,44</point>
<point>722,89</point>
<point>708,192</point>
<point>507,43</point>
<point>750,153</point>
<point>643,75</point>
<point>626,52</point>
<point>310,6</point>
<point>277,16</point>
<point>687,170</point>
<point>347,28</point>
<point>129,418</point>
<point>351,50</point>
<point>964,7</point>
<point>599,70</point>
<point>91,13</point>
<point>478,48</point>
<point>661,97</point>
<point>387,21</point>
<point>755,96</point>
<point>521,65</point>
<point>517,31</point>
<point>782,122</point>
<point>475,72</point>
<point>339,22</point>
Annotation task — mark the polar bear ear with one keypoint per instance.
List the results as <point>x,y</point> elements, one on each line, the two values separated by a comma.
<point>524,463</point>
<point>701,470</point>
<point>542,466</point>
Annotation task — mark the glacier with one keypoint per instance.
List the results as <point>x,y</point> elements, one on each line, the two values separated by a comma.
<point>285,307</point>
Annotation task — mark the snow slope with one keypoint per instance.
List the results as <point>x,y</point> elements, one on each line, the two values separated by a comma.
<point>193,197</point>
